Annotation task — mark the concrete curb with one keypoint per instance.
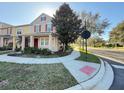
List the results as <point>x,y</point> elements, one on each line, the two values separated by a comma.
<point>107,79</point>
<point>76,87</point>
<point>89,84</point>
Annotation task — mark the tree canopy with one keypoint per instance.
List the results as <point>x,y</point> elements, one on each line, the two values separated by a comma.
<point>93,22</point>
<point>67,24</point>
<point>117,34</point>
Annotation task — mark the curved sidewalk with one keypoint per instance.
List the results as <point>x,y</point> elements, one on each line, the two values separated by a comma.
<point>73,66</point>
<point>23,60</point>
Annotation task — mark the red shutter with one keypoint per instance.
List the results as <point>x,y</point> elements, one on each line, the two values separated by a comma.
<point>35,28</point>
<point>39,28</point>
<point>46,27</point>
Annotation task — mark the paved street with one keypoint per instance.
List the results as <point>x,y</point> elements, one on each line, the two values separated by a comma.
<point>118,83</point>
<point>118,55</point>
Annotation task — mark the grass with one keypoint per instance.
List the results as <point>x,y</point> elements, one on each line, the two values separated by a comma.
<point>90,57</point>
<point>4,52</point>
<point>35,76</point>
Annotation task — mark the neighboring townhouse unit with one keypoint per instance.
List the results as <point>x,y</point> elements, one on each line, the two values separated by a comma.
<point>40,34</point>
<point>5,34</point>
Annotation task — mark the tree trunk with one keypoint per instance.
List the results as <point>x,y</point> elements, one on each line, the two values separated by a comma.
<point>66,46</point>
<point>63,47</point>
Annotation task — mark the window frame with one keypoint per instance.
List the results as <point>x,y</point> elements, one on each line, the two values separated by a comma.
<point>37,28</point>
<point>43,18</point>
<point>19,31</point>
<point>44,42</point>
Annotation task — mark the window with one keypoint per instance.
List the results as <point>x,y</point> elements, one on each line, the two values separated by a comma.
<point>44,42</point>
<point>19,31</point>
<point>49,26</point>
<point>43,18</point>
<point>37,28</point>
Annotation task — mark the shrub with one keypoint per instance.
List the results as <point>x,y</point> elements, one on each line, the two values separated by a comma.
<point>14,54</point>
<point>46,51</point>
<point>18,49</point>
<point>32,50</point>
<point>28,50</point>
<point>5,48</point>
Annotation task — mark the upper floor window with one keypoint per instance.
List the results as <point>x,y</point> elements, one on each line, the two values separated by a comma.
<point>37,28</point>
<point>49,27</point>
<point>19,31</point>
<point>43,18</point>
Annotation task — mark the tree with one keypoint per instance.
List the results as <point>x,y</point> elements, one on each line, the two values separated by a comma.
<point>94,24</point>
<point>67,24</point>
<point>96,42</point>
<point>116,36</point>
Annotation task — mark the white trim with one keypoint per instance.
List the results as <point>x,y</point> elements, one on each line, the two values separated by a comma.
<point>107,79</point>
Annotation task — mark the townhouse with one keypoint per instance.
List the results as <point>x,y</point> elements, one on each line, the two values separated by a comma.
<point>40,34</point>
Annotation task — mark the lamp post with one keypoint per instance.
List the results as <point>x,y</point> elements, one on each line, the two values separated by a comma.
<point>85,35</point>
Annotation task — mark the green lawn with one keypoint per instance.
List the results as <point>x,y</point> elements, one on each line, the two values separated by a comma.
<point>4,52</point>
<point>90,57</point>
<point>27,76</point>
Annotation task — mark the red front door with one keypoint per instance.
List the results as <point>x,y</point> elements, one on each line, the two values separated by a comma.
<point>36,42</point>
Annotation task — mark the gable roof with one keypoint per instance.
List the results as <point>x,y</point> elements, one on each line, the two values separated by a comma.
<point>39,16</point>
<point>5,23</point>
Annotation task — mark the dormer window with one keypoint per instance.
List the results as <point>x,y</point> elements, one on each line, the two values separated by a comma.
<point>43,18</point>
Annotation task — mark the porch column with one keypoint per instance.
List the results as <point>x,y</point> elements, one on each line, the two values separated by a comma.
<point>31,41</point>
<point>50,42</point>
<point>14,43</point>
<point>54,43</point>
<point>1,41</point>
<point>23,43</point>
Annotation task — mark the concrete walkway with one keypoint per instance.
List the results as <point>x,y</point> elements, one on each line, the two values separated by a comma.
<point>78,69</point>
<point>22,60</point>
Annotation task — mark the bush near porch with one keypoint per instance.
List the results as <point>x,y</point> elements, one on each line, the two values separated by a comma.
<point>32,50</point>
<point>4,48</point>
<point>41,53</point>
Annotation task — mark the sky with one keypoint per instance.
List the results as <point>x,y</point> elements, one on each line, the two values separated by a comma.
<point>25,13</point>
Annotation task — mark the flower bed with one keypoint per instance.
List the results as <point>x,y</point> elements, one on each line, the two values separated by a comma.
<point>40,53</point>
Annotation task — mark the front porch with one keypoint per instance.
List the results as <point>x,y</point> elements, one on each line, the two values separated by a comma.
<point>49,41</point>
<point>5,40</point>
